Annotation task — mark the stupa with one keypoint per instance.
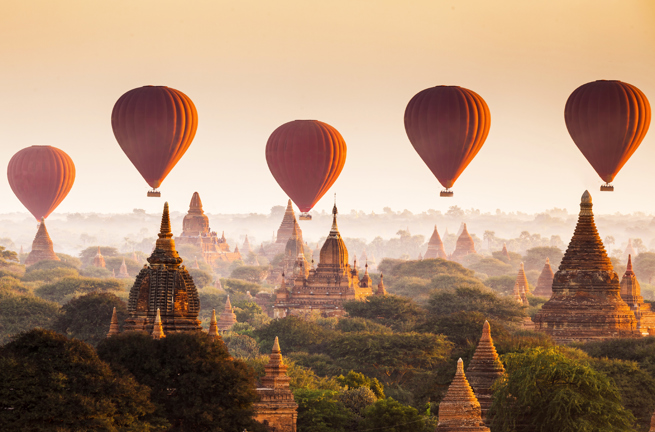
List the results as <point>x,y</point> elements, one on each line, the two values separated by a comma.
<point>157,328</point>
<point>164,284</point>
<point>381,289</point>
<point>246,249</point>
<point>505,252</point>
<point>276,407</point>
<point>99,260</point>
<point>285,231</point>
<point>213,326</point>
<point>122,272</point>
<point>522,280</point>
<point>41,247</point>
<point>459,410</point>
<point>293,250</point>
<point>323,290</point>
<point>516,295</point>
<point>484,370</point>
<point>631,294</point>
<point>465,245</point>
<point>228,318</point>
<point>196,231</point>
<point>545,282</point>
<point>113,326</point>
<point>435,247</point>
<point>629,250</point>
<point>586,303</point>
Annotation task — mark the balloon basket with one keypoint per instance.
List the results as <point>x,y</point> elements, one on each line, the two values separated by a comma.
<point>446,193</point>
<point>305,216</point>
<point>607,188</point>
<point>154,193</point>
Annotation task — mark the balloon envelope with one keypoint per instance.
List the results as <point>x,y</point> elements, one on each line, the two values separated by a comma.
<point>154,126</point>
<point>306,158</point>
<point>41,177</point>
<point>607,120</point>
<point>447,125</point>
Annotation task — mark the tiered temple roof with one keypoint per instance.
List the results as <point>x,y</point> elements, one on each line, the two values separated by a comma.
<point>484,370</point>
<point>545,282</point>
<point>631,294</point>
<point>164,284</point>
<point>459,410</point>
<point>465,245</point>
<point>228,318</point>
<point>324,289</point>
<point>42,247</point>
<point>586,303</point>
<point>99,260</point>
<point>293,250</point>
<point>288,224</point>
<point>276,407</point>
<point>435,247</point>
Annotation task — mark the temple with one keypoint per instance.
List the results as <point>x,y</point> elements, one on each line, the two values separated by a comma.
<point>459,410</point>
<point>323,289</point>
<point>586,303</point>
<point>484,370</point>
<point>213,326</point>
<point>42,247</point>
<point>164,284</point>
<point>246,249</point>
<point>196,231</point>
<point>99,260</point>
<point>629,250</point>
<point>505,252</point>
<point>631,294</point>
<point>114,329</point>
<point>435,247</point>
<point>276,407</point>
<point>289,223</point>
<point>545,282</point>
<point>228,318</point>
<point>465,245</point>
<point>293,251</point>
<point>122,272</point>
<point>522,281</point>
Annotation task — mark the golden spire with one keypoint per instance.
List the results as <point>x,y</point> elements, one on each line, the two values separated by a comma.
<point>460,408</point>
<point>113,326</point>
<point>165,252</point>
<point>213,328</point>
<point>157,329</point>
<point>276,371</point>
<point>628,269</point>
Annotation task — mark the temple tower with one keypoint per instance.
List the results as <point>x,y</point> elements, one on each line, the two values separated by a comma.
<point>586,303</point>
<point>246,249</point>
<point>545,282</point>
<point>42,247</point>
<point>522,280</point>
<point>99,260</point>
<point>631,294</point>
<point>157,328</point>
<point>276,408</point>
<point>293,249</point>
<point>465,245</point>
<point>517,294</point>
<point>505,252</point>
<point>213,326</point>
<point>195,222</point>
<point>381,289</point>
<point>122,272</point>
<point>435,247</point>
<point>164,284</point>
<point>287,226</point>
<point>228,318</point>
<point>459,410</point>
<point>484,370</point>
<point>113,326</point>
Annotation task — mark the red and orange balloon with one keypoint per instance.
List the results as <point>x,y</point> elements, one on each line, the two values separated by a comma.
<point>154,126</point>
<point>447,125</point>
<point>607,120</point>
<point>306,158</point>
<point>41,177</point>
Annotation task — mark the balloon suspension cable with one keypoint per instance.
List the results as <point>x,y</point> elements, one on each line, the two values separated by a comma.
<point>446,193</point>
<point>607,187</point>
<point>154,193</point>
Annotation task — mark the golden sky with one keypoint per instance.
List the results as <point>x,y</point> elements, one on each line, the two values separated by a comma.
<point>250,66</point>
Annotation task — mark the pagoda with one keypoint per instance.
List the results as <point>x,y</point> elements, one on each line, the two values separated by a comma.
<point>196,231</point>
<point>213,326</point>
<point>516,295</point>
<point>484,370</point>
<point>629,250</point>
<point>289,223</point>
<point>323,289</point>
<point>122,272</point>
<point>545,282</point>
<point>522,281</point>
<point>276,408</point>
<point>459,410</point>
<point>631,294</point>
<point>465,245</point>
<point>164,284</point>
<point>292,252</point>
<point>228,318</point>
<point>435,247</point>
<point>41,247</point>
<point>586,303</point>
<point>381,289</point>
<point>505,252</point>
<point>99,260</point>
<point>113,326</point>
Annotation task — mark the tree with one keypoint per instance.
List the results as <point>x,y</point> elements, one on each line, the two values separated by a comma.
<point>8,255</point>
<point>53,383</point>
<point>501,284</point>
<point>644,265</point>
<point>545,391</point>
<point>392,416</point>
<point>446,282</point>
<point>69,287</point>
<point>392,311</point>
<point>250,312</point>
<point>87,318</point>
<point>425,269</point>
<point>133,267</point>
<point>19,313</point>
<point>357,398</point>
<point>49,275</point>
<point>357,324</point>
<point>240,286</point>
<point>489,236</point>
<point>491,267</point>
<point>49,265</point>
<point>200,278</point>
<point>254,274</point>
<point>241,346</point>
<point>194,381</point>
<point>610,241</point>
<point>473,299</point>
<point>294,334</point>
<point>462,328</point>
<point>535,258</point>
<point>355,380</point>
<point>89,253</point>
<point>321,411</point>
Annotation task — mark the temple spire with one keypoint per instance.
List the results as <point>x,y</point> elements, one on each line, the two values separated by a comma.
<point>628,269</point>
<point>157,329</point>
<point>213,328</point>
<point>113,326</point>
<point>276,371</point>
<point>484,370</point>
<point>460,409</point>
<point>165,252</point>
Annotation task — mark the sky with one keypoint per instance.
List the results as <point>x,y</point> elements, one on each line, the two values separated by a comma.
<point>250,66</point>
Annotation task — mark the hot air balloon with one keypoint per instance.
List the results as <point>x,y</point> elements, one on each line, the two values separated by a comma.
<point>607,120</point>
<point>306,158</point>
<point>154,125</point>
<point>447,125</point>
<point>41,177</point>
